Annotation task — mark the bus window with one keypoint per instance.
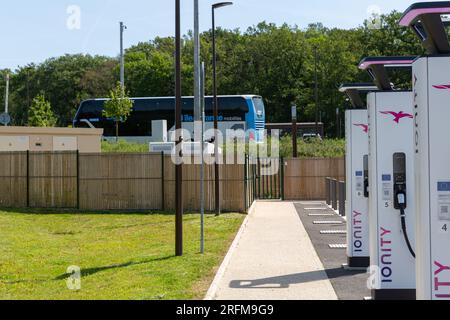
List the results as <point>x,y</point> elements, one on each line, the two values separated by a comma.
<point>259,107</point>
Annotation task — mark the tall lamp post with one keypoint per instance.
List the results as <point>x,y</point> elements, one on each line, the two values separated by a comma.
<point>178,137</point>
<point>294,131</point>
<point>216,105</point>
<point>122,56</point>
<point>316,90</point>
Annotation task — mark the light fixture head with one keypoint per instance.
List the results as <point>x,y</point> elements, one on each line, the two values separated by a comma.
<point>221,4</point>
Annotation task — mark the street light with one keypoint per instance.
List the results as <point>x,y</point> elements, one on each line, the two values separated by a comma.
<point>316,89</point>
<point>178,137</point>
<point>216,104</point>
<point>123,27</point>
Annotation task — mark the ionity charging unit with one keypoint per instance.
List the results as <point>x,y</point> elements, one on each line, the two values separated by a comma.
<point>431,87</point>
<point>391,183</point>
<point>357,148</point>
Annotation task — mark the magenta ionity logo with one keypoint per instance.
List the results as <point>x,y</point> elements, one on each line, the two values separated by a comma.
<point>398,115</point>
<point>357,231</point>
<point>442,87</point>
<point>386,254</point>
<point>365,127</point>
<point>441,286</point>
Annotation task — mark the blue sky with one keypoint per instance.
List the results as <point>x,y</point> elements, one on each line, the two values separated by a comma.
<point>35,30</point>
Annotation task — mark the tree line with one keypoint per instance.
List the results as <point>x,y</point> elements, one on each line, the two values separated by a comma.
<point>276,62</point>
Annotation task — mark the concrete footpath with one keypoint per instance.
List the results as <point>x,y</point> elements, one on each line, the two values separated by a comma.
<point>272,259</point>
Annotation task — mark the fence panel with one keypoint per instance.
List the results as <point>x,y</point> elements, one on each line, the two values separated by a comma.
<point>232,187</point>
<point>305,178</point>
<point>13,179</point>
<point>52,179</point>
<point>120,181</point>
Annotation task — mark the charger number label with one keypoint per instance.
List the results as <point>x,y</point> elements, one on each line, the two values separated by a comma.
<point>359,184</point>
<point>386,189</point>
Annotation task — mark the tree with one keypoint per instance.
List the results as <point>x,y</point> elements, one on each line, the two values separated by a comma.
<point>41,113</point>
<point>274,61</point>
<point>118,107</point>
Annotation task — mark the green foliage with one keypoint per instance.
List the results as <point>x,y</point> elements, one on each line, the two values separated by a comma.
<point>122,256</point>
<point>327,148</point>
<point>118,107</point>
<point>41,114</point>
<point>276,62</point>
<point>315,148</point>
<point>124,146</point>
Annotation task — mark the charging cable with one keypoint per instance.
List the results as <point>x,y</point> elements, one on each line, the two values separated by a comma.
<point>401,198</point>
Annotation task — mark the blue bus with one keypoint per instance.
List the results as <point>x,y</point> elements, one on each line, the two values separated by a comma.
<point>245,112</point>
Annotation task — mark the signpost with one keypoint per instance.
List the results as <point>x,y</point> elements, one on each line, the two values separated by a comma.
<point>5,119</point>
<point>202,143</point>
<point>294,131</point>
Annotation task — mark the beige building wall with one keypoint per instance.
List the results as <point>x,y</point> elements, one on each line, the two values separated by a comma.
<point>50,139</point>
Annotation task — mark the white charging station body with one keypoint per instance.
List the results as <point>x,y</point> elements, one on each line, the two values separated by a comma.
<point>431,80</point>
<point>390,132</point>
<point>357,207</point>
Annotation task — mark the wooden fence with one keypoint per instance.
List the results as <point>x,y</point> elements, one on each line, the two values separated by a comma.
<point>145,181</point>
<point>305,178</point>
<point>111,181</point>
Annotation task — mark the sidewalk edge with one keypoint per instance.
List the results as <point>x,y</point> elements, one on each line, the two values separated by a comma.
<point>210,295</point>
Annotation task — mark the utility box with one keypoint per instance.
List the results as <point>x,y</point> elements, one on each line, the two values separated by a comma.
<point>50,139</point>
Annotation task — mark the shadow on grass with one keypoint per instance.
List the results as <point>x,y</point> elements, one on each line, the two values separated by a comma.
<point>52,211</point>
<point>36,211</point>
<point>94,270</point>
<point>89,271</point>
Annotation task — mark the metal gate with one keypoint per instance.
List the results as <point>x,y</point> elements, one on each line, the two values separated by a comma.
<point>264,179</point>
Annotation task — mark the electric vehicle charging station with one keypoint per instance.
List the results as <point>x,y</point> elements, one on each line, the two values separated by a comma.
<point>391,184</point>
<point>357,149</point>
<point>431,87</point>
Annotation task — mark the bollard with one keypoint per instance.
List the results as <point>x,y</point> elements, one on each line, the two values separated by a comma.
<point>334,195</point>
<point>342,198</point>
<point>328,190</point>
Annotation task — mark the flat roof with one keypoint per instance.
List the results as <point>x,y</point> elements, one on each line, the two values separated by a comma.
<point>413,13</point>
<point>366,63</point>
<point>50,131</point>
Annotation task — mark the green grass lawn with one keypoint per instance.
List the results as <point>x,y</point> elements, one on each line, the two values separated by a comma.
<point>122,256</point>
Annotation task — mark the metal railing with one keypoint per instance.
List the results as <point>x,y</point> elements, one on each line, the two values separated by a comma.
<point>342,198</point>
<point>336,194</point>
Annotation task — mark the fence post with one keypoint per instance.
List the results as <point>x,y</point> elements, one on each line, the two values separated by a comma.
<point>78,179</point>
<point>163,186</point>
<point>28,178</point>
<point>254,180</point>
<point>259,177</point>
<point>282,180</point>
<point>334,193</point>
<point>342,198</point>
<point>328,190</point>
<point>245,184</point>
